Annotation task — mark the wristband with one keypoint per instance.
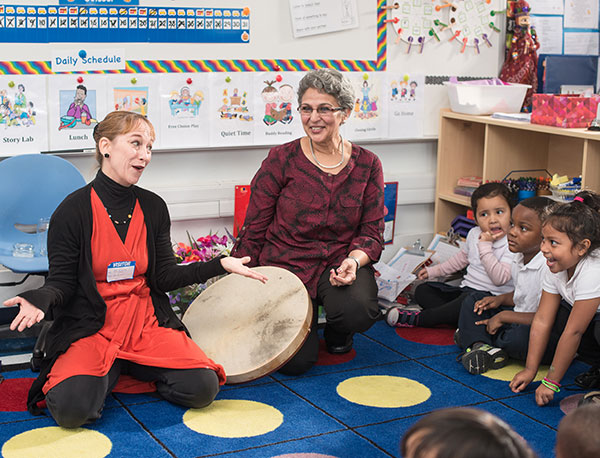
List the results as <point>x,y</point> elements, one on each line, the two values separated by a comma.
<point>552,382</point>
<point>355,259</point>
<point>550,385</point>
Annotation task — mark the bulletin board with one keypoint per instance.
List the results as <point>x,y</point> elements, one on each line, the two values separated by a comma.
<point>371,47</point>
<point>567,26</point>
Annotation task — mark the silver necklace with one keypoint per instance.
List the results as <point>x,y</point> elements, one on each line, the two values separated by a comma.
<point>326,166</point>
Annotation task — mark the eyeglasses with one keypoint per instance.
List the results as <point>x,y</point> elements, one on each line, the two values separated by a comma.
<point>324,111</point>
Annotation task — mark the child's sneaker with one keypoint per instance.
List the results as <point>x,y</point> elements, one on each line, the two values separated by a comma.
<point>402,318</point>
<point>482,357</point>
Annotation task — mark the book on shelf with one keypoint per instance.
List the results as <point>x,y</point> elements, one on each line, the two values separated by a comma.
<point>464,190</point>
<point>523,117</point>
<point>469,181</point>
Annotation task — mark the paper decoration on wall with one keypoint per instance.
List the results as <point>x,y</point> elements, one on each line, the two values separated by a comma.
<point>406,97</point>
<point>415,22</point>
<point>23,115</point>
<point>76,105</point>
<point>473,21</point>
<point>368,118</point>
<point>277,119</point>
<point>231,109</point>
<point>184,121</point>
<point>137,93</point>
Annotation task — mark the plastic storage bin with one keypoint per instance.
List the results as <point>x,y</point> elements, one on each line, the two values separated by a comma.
<point>485,100</point>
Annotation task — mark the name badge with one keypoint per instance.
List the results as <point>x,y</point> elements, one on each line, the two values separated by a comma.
<point>122,270</point>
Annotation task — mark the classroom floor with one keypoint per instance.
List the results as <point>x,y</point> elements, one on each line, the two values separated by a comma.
<point>355,405</point>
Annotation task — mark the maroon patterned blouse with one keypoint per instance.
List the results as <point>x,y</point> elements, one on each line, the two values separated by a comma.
<point>306,220</point>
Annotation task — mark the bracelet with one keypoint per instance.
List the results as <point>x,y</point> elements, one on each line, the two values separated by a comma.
<point>355,259</point>
<point>552,382</point>
<point>550,385</point>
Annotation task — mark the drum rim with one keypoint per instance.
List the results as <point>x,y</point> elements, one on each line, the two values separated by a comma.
<point>276,361</point>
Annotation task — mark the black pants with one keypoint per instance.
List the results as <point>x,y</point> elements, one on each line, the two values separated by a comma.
<point>512,338</point>
<point>80,399</point>
<point>440,302</point>
<point>348,310</point>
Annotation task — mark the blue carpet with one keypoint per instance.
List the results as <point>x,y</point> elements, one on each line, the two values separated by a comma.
<point>315,416</point>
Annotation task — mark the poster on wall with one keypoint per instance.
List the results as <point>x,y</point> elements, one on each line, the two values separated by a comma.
<point>405,96</point>
<point>368,118</point>
<point>76,103</point>
<point>277,119</point>
<point>231,109</point>
<point>23,115</point>
<point>137,93</point>
<point>183,110</point>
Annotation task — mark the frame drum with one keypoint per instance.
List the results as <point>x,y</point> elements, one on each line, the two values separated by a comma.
<point>251,328</point>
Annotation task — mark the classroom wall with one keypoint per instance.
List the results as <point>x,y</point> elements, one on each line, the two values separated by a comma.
<point>214,172</point>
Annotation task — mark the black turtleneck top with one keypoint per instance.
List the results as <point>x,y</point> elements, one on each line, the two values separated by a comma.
<point>70,297</point>
<point>118,200</point>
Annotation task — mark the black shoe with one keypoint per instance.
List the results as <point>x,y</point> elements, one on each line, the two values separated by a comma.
<point>340,349</point>
<point>482,357</point>
<point>590,379</point>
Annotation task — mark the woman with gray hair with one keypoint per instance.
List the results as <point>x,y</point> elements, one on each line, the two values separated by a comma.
<point>316,209</point>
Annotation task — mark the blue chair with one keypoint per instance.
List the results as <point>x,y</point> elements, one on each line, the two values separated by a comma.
<point>31,187</point>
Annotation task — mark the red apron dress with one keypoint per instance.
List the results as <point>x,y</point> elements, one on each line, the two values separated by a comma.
<point>131,331</point>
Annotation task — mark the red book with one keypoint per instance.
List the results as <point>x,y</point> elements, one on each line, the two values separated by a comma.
<point>470,181</point>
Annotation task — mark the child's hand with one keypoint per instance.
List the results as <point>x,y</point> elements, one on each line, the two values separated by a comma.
<point>489,237</point>
<point>492,324</point>
<point>486,236</point>
<point>543,395</point>
<point>423,275</point>
<point>521,380</point>
<point>487,303</point>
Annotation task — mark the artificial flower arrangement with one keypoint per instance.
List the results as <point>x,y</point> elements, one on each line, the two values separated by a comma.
<point>202,249</point>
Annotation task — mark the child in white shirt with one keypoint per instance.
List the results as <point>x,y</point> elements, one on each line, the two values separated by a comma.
<point>569,310</point>
<point>494,328</point>
<point>485,255</point>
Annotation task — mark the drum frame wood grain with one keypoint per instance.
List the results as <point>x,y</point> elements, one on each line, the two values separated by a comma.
<point>210,298</point>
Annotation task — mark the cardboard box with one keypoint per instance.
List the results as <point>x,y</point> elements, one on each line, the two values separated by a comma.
<point>564,110</point>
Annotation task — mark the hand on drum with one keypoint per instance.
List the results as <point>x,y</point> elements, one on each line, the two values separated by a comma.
<point>236,266</point>
<point>345,274</point>
<point>28,315</point>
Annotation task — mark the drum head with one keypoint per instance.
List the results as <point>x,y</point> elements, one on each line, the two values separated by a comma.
<point>251,328</point>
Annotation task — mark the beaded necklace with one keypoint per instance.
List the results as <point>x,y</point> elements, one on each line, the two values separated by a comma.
<point>121,222</point>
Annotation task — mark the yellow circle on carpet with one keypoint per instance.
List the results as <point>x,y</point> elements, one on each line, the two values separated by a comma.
<point>383,391</point>
<point>513,368</point>
<point>234,418</point>
<point>56,442</point>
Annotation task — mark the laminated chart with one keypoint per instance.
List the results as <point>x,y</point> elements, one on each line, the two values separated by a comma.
<point>84,24</point>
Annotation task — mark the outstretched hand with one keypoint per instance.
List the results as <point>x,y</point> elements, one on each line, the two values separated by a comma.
<point>28,315</point>
<point>236,266</point>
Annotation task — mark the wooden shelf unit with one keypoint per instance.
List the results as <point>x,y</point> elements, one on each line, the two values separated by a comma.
<point>491,148</point>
